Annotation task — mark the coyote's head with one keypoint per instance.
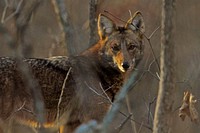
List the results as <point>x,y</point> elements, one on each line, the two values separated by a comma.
<point>122,46</point>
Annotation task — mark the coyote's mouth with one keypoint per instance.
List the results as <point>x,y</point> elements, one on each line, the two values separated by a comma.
<point>121,68</point>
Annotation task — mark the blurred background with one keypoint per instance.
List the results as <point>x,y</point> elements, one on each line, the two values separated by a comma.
<point>43,36</point>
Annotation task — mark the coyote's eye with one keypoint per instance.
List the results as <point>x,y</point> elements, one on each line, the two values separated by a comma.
<point>132,46</point>
<point>115,47</point>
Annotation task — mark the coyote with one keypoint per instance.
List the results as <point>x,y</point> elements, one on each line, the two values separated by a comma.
<point>93,78</point>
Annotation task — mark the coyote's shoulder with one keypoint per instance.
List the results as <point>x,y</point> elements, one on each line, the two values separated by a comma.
<point>88,82</point>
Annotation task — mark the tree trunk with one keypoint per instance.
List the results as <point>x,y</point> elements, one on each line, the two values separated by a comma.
<point>165,100</point>
<point>93,22</point>
<point>66,26</point>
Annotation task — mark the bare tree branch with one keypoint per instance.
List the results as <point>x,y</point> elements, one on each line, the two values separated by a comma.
<point>165,100</point>
<point>149,41</point>
<point>140,129</point>
<point>140,123</point>
<point>149,109</point>
<point>133,124</point>
<point>4,11</point>
<point>119,128</point>
<point>65,25</point>
<point>22,21</point>
<point>23,17</point>
<point>3,19</point>
<point>61,95</point>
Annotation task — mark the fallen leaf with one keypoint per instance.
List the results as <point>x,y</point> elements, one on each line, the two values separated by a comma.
<point>188,108</point>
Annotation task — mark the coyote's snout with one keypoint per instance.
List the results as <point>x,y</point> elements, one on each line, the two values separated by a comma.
<point>92,82</point>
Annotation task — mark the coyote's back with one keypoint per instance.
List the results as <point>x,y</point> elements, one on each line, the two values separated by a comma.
<point>80,87</point>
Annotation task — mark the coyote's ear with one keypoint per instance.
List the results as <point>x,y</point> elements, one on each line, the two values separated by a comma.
<point>136,23</point>
<point>105,26</point>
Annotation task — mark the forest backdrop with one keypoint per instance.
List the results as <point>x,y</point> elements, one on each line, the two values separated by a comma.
<point>43,38</point>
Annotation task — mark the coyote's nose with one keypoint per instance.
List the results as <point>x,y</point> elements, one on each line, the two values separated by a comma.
<point>125,65</point>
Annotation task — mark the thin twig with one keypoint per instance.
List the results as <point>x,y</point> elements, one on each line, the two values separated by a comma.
<point>140,129</point>
<point>130,13</point>
<point>106,11</point>
<point>61,95</point>
<point>154,55</point>
<point>146,126</point>
<point>105,93</point>
<point>133,125</point>
<point>93,90</point>
<point>20,108</point>
<point>158,75</point>
<point>154,32</point>
<point>29,111</point>
<point>17,110</point>
<point>149,109</point>
<point>149,70</point>
<point>14,13</point>
<point>110,87</point>
<point>106,97</point>
<point>149,41</point>
<point>186,82</point>
<point>155,76</point>
<point>4,11</point>
<point>119,128</point>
